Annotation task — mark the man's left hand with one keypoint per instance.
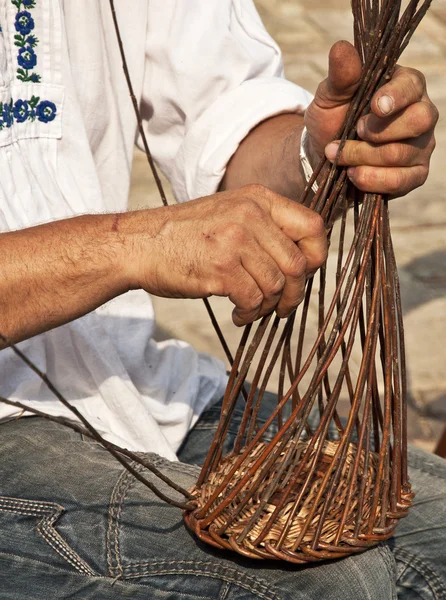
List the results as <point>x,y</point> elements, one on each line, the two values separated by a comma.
<point>397,137</point>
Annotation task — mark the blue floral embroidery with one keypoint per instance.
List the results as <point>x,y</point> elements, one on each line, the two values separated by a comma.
<point>20,111</point>
<point>24,23</point>
<point>26,41</point>
<point>7,115</point>
<point>46,111</point>
<point>27,57</point>
<point>26,3</point>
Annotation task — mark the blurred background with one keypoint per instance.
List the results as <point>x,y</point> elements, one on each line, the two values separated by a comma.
<point>305,31</point>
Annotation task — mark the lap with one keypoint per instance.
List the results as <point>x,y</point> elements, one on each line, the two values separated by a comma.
<point>75,524</point>
<point>418,546</point>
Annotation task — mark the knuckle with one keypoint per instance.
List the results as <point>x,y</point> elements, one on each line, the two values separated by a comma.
<point>315,224</point>
<point>434,115</point>
<point>248,210</point>
<point>424,119</point>
<point>216,287</point>
<point>297,264</point>
<point>235,232</point>
<point>254,300</point>
<point>417,81</point>
<point>393,155</point>
<point>320,257</point>
<point>255,190</point>
<point>275,285</point>
<point>432,143</point>
<point>223,263</point>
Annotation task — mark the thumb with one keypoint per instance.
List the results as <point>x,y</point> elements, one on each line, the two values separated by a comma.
<point>326,113</point>
<point>344,72</point>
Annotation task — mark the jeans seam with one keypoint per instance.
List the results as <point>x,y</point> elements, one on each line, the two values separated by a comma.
<point>254,587</point>
<point>123,484</point>
<point>389,560</point>
<point>224,591</point>
<point>49,513</point>
<point>173,567</point>
<point>431,578</point>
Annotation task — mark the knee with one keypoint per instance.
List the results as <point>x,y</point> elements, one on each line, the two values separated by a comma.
<point>370,575</point>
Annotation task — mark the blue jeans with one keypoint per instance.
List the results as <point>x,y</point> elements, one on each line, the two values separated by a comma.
<point>74,524</point>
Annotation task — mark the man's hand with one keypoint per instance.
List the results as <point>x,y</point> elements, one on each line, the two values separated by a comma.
<point>397,136</point>
<point>251,245</point>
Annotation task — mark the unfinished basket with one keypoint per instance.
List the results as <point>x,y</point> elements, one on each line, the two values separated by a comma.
<point>306,484</point>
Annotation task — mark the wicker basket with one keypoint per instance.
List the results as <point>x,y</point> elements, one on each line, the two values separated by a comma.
<point>310,484</point>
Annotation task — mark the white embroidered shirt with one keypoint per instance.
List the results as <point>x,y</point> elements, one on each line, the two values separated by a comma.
<point>205,72</point>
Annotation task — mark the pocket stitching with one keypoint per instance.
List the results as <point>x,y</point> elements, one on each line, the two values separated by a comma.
<point>50,513</point>
<point>135,570</point>
<point>124,483</point>
<point>434,581</point>
<point>238,578</point>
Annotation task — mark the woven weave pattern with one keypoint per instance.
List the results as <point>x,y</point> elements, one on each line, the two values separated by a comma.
<point>323,487</point>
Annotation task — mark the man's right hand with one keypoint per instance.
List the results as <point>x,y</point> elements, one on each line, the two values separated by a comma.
<point>249,244</point>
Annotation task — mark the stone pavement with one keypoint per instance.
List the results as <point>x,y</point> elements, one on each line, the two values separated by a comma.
<point>305,31</point>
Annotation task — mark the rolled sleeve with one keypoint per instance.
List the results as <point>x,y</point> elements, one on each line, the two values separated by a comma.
<point>214,137</point>
<point>213,76</point>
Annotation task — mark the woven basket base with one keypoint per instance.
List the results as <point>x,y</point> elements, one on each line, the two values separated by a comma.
<point>240,528</point>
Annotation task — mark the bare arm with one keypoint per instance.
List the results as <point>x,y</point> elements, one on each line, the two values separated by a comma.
<point>53,273</point>
<point>269,155</point>
<point>251,245</point>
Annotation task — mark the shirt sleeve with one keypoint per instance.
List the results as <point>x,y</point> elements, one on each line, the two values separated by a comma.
<point>212,74</point>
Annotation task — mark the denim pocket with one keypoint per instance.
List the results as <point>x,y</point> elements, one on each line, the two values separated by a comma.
<point>148,542</point>
<point>25,523</point>
<point>416,579</point>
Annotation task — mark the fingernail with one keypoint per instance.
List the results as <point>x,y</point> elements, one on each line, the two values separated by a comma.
<point>331,150</point>
<point>351,172</point>
<point>385,104</point>
<point>360,127</point>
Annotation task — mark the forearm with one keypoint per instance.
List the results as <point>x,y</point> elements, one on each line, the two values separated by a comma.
<point>269,155</point>
<point>57,272</point>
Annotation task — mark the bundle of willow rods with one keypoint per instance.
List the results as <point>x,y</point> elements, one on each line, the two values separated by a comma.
<point>306,485</point>
<point>296,487</point>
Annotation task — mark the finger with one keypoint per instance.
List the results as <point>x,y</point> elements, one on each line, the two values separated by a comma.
<point>293,223</point>
<point>293,265</point>
<point>399,154</point>
<point>299,223</point>
<point>292,295</point>
<point>406,87</point>
<point>333,94</point>
<point>344,73</point>
<point>247,297</point>
<point>394,181</point>
<point>266,273</point>
<point>413,121</point>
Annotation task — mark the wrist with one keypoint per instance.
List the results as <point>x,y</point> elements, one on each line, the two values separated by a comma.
<point>138,237</point>
<point>309,159</point>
